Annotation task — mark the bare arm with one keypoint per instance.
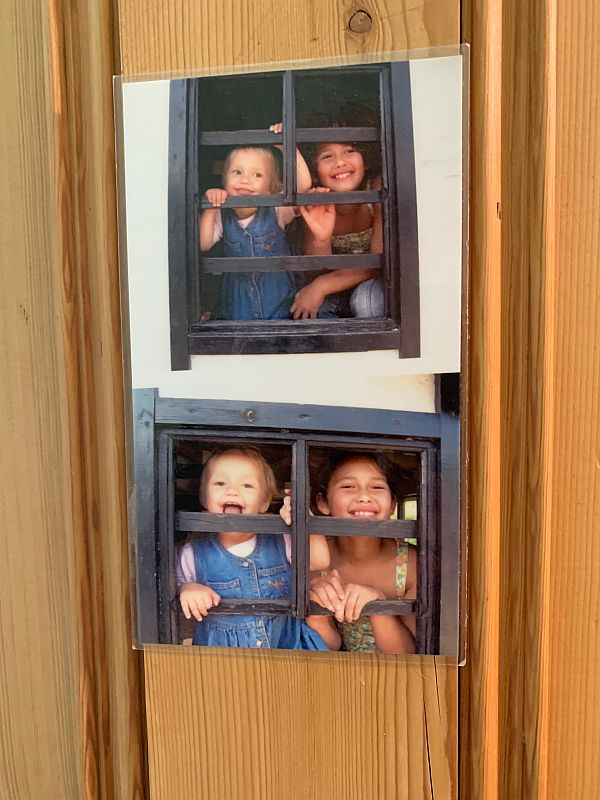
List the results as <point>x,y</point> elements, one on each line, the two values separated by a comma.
<point>320,222</point>
<point>208,217</point>
<point>392,635</point>
<point>303,177</point>
<point>327,629</point>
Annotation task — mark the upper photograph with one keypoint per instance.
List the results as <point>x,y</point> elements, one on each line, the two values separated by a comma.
<point>300,211</point>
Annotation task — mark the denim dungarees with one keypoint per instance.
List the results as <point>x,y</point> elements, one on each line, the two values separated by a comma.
<point>265,574</point>
<point>255,295</point>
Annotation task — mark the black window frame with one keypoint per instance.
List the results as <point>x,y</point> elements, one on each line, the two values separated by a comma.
<point>399,262</point>
<point>159,423</point>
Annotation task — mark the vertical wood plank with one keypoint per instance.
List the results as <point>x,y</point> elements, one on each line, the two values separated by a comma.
<point>479,679</point>
<point>573,558</point>
<point>69,712</point>
<point>261,725</point>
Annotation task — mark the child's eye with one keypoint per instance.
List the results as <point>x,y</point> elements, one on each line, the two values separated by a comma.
<point>324,156</point>
<point>258,174</point>
<point>248,485</point>
<point>218,483</point>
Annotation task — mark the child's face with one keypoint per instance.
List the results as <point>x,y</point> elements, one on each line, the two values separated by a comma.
<point>340,167</point>
<point>235,485</point>
<point>358,488</point>
<point>249,172</point>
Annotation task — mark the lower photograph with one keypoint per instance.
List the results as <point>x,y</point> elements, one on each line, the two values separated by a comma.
<point>274,525</point>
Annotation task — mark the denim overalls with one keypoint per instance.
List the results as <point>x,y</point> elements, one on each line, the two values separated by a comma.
<point>265,574</point>
<point>255,295</point>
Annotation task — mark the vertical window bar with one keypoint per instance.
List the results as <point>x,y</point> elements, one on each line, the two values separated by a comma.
<point>166,542</point>
<point>406,208</point>
<point>300,546</point>
<point>391,251</point>
<point>147,611</point>
<point>427,568</point>
<point>289,139</point>
<point>192,171</point>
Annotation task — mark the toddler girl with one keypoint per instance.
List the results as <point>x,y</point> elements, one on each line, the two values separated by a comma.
<point>242,565</point>
<point>252,232</point>
<point>343,229</point>
<point>364,568</point>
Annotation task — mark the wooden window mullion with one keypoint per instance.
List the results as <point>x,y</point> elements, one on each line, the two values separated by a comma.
<point>289,139</point>
<point>300,540</point>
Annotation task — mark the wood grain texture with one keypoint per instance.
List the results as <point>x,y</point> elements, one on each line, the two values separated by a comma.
<point>222,724</point>
<point>539,668</point>
<point>260,726</point>
<point>69,681</point>
<point>479,679</point>
<point>573,548</point>
<point>182,35</point>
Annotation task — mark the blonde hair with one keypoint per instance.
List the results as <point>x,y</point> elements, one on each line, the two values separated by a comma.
<point>276,183</point>
<point>251,454</point>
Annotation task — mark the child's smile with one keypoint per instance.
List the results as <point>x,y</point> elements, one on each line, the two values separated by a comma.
<point>249,173</point>
<point>235,485</point>
<point>358,489</point>
<point>340,167</point>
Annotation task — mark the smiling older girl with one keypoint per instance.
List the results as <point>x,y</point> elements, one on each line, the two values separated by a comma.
<point>351,229</point>
<point>363,568</point>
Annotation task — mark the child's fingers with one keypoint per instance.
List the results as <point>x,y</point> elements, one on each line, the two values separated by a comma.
<point>215,598</point>
<point>325,596</point>
<point>336,584</point>
<point>185,607</point>
<point>352,606</point>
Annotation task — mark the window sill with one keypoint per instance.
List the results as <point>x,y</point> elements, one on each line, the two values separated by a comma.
<point>293,336</point>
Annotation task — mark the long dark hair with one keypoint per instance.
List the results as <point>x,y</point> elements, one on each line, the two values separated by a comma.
<point>352,115</point>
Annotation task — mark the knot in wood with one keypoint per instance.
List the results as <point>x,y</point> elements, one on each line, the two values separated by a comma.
<point>360,22</point>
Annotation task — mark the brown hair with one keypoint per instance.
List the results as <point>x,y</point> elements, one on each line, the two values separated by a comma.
<point>276,184</point>
<point>252,454</point>
<point>322,472</point>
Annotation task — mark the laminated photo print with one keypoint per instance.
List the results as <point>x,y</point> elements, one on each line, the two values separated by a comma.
<point>294,317</point>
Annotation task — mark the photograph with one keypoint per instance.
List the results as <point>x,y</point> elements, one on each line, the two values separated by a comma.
<point>292,248</point>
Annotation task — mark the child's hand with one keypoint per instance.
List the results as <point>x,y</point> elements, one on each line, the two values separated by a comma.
<point>216,197</point>
<point>320,220</point>
<point>357,596</point>
<point>196,600</point>
<point>276,127</point>
<point>328,592</point>
<point>285,512</point>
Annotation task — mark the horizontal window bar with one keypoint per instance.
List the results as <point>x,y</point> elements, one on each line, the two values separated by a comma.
<point>396,608</point>
<point>203,522</point>
<point>252,607</point>
<point>258,137</point>
<point>337,135</point>
<point>249,137</point>
<point>216,266</point>
<point>306,419</point>
<point>247,201</point>
<point>385,529</point>
<point>302,199</point>
<point>337,198</point>
<point>326,336</point>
